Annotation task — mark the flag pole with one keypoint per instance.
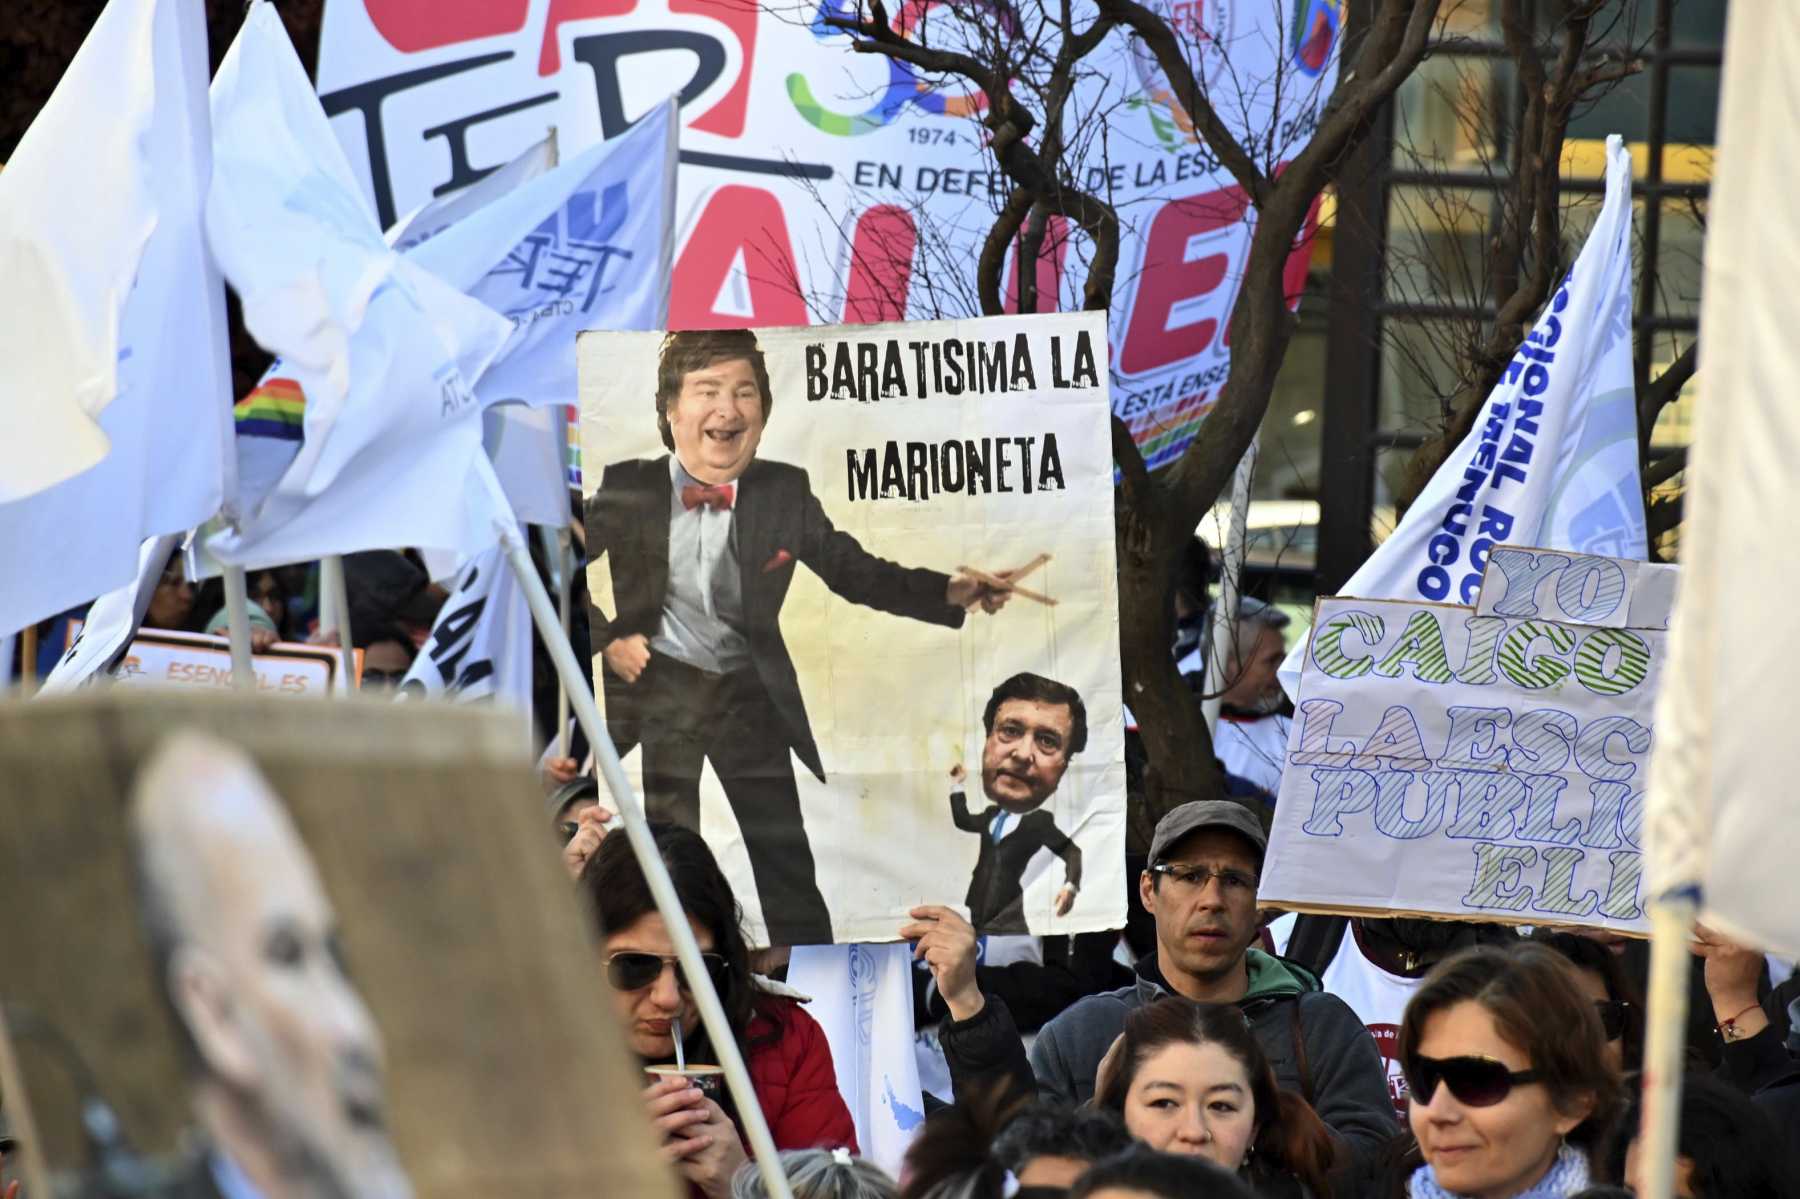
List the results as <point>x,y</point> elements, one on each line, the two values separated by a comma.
<point>662,888</point>
<point>565,590</point>
<point>28,651</point>
<point>1231,585</point>
<point>237,628</point>
<point>1671,924</point>
<point>331,587</point>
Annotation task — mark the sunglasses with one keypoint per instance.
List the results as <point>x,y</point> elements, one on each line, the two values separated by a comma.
<point>1613,1013</point>
<point>630,970</point>
<point>1475,1081</point>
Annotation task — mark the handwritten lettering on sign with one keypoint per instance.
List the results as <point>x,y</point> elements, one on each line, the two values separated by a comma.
<point>1487,760</point>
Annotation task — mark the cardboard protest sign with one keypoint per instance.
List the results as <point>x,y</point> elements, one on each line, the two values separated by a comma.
<point>1477,762</point>
<point>333,938</point>
<point>170,658</point>
<point>803,543</point>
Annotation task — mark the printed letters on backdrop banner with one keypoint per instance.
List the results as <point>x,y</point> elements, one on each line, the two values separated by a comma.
<point>1478,762</point>
<point>823,185</point>
<point>795,598</point>
<point>167,658</point>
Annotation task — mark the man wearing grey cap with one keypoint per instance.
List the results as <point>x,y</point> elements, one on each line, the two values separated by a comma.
<point>1200,886</point>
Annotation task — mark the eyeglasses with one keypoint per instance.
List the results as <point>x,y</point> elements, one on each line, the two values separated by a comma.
<point>1613,1014</point>
<point>1191,877</point>
<point>1475,1081</point>
<point>630,970</point>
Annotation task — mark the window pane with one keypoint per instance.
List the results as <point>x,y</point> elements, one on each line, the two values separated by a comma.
<point>1679,245</point>
<point>1437,245</point>
<point>1421,369</point>
<point>1445,113</point>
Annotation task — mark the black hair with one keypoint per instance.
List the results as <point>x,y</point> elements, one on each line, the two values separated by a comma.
<point>1164,1175</point>
<point>1733,1145</point>
<point>696,349</point>
<point>1052,1130</point>
<point>619,896</point>
<point>1037,688</point>
<point>1585,953</point>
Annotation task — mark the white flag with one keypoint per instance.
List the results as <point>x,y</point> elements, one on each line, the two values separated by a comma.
<point>436,215</point>
<point>115,379</point>
<point>480,646</point>
<point>590,245</point>
<point>1721,797</point>
<point>1552,460</point>
<point>378,356</point>
<point>113,621</point>
<point>862,997</point>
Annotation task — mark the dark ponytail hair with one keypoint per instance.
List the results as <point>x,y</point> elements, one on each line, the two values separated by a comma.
<point>1290,1137</point>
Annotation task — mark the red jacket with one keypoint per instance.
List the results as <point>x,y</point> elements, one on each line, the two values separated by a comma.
<point>795,1081</point>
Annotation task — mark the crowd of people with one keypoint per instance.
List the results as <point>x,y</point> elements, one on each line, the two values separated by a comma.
<point>1220,1069</point>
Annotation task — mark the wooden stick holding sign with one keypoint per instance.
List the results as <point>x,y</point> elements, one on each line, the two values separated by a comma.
<point>637,831</point>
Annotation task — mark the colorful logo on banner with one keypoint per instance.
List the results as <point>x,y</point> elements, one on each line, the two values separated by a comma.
<point>1316,25</point>
<point>1203,27</point>
<point>904,87</point>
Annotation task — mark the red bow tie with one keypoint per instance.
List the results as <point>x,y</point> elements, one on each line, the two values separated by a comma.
<point>716,496</point>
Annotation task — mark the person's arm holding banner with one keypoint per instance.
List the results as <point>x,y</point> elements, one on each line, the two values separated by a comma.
<point>863,578</point>
<point>980,1040</point>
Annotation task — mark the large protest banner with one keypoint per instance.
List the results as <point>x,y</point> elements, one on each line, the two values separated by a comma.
<point>904,468</point>
<point>1482,761</point>
<point>822,185</point>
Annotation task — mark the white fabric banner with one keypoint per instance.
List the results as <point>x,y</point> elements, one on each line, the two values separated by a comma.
<point>480,646</point>
<point>820,185</point>
<point>1722,777</point>
<point>1552,458</point>
<point>112,622</point>
<point>381,353</point>
<point>440,212</point>
<point>1475,762</point>
<point>116,153</point>
<point>862,997</point>
<point>113,293</point>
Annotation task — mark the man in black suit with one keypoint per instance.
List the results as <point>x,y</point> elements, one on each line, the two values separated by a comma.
<point>703,544</point>
<point>1034,726</point>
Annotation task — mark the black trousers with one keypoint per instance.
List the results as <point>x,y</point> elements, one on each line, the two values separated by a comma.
<point>690,716</point>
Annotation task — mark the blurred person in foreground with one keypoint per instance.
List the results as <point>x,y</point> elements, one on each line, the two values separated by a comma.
<point>284,1061</point>
<point>784,1048</point>
<point>1200,886</point>
<point>1048,1147</point>
<point>1511,1090</point>
<point>1189,1078</point>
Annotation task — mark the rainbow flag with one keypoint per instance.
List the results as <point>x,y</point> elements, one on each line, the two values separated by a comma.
<point>275,408</point>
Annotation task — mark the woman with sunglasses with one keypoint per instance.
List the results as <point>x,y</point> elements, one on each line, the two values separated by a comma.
<point>788,1057</point>
<point>1615,999</point>
<point>1510,1087</point>
<point>1190,1078</point>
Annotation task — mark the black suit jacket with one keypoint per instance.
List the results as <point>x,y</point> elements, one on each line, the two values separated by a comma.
<point>996,896</point>
<point>777,522</point>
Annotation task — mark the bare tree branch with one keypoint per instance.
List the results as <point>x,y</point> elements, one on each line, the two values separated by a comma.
<point>1664,390</point>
